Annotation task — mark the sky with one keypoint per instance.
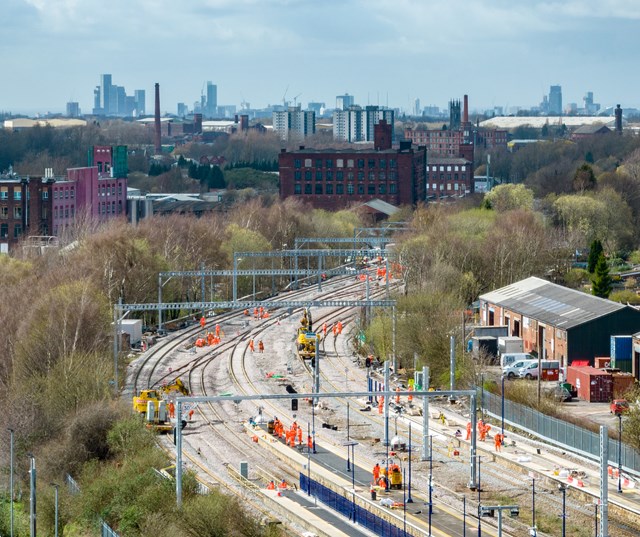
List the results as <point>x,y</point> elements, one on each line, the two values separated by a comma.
<point>389,52</point>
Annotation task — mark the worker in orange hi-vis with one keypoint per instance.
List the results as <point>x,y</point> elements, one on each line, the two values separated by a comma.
<point>324,329</point>
<point>397,396</point>
<point>497,439</point>
<point>380,403</point>
<point>260,346</point>
<point>410,397</point>
<point>251,346</point>
<point>271,486</point>
<point>261,312</point>
<point>255,313</point>
<point>172,409</point>
<point>217,329</point>
<point>376,473</point>
<point>299,436</point>
<point>209,339</point>
<point>339,327</point>
<point>335,330</point>
<point>191,412</point>
<point>203,322</point>
<point>468,431</point>
<point>246,312</point>
<point>309,442</point>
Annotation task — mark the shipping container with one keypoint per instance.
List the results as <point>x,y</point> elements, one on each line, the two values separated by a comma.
<point>621,383</point>
<point>621,349</point>
<point>602,362</point>
<point>509,344</point>
<point>132,327</point>
<point>488,345</point>
<point>593,385</point>
<point>494,331</point>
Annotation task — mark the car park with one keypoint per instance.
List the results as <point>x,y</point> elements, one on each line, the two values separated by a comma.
<point>511,371</point>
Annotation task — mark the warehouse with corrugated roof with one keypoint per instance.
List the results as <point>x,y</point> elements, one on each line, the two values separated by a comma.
<point>558,323</point>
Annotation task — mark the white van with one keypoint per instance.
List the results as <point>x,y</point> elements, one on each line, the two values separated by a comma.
<point>531,371</point>
<point>511,371</point>
<point>509,358</point>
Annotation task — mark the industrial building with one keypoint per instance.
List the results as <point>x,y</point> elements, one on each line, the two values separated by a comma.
<point>556,322</point>
<point>449,177</point>
<point>334,179</point>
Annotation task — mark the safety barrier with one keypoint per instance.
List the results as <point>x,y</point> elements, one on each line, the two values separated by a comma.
<point>349,509</point>
<point>558,432</point>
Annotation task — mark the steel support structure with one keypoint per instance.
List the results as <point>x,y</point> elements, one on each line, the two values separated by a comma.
<point>472,394</point>
<point>604,481</point>
<point>340,240</point>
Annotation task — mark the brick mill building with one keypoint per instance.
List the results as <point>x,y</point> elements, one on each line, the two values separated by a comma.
<point>336,178</point>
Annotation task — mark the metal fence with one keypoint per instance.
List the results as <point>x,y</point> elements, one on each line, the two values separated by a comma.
<point>74,488</point>
<point>347,508</point>
<point>558,432</point>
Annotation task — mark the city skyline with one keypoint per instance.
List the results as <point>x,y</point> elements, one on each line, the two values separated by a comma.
<point>500,54</point>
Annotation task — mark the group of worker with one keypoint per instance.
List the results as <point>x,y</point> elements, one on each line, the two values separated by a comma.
<point>252,346</point>
<point>288,435</point>
<point>171,406</point>
<point>483,431</point>
<point>258,313</point>
<point>282,486</point>
<point>380,474</point>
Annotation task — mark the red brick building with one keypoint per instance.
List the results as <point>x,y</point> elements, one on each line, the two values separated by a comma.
<point>448,177</point>
<point>336,178</point>
<point>25,208</point>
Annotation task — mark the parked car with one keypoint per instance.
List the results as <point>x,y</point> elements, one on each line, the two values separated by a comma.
<point>511,371</point>
<point>619,406</point>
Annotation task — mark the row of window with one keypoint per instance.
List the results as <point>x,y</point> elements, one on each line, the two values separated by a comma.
<point>67,212</point>
<point>449,177</point>
<point>4,231</point>
<point>104,190</point>
<point>441,168</point>
<point>321,189</point>
<point>17,193</point>
<point>456,186</point>
<point>107,207</point>
<point>340,163</point>
<point>340,175</point>
<point>62,193</point>
<point>4,213</point>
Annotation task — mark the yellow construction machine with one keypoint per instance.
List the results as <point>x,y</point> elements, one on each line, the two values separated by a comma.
<point>307,339</point>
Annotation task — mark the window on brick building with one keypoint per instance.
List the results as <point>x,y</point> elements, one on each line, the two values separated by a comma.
<point>72,192</point>
<point>319,163</point>
<point>329,175</point>
<point>307,189</point>
<point>4,193</point>
<point>17,193</point>
<point>349,176</point>
<point>318,176</point>
<point>17,212</point>
<point>372,163</point>
<point>297,189</point>
<point>307,175</point>
<point>17,231</point>
<point>4,213</point>
<point>329,189</point>
<point>297,163</point>
<point>456,186</point>
<point>350,163</point>
<point>383,163</point>
<point>382,176</point>
<point>329,163</point>
<point>360,163</point>
<point>372,176</point>
<point>340,176</point>
<point>339,163</point>
<point>4,230</point>
<point>361,175</point>
<point>371,189</point>
<point>350,188</point>
<point>392,175</point>
<point>307,163</point>
<point>392,163</point>
<point>45,213</point>
<point>297,175</point>
<point>393,188</point>
<point>360,189</point>
<point>318,189</point>
<point>382,189</point>
<point>339,189</point>
<point>45,194</point>
<point>66,193</point>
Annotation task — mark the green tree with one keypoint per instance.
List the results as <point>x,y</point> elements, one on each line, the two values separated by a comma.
<point>584,178</point>
<point>595,251</point>
<point>509,197</point>
<point>602,280</point>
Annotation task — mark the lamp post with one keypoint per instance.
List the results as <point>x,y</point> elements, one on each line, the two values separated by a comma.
<point>409,498</point>
<point>430,481</point>
<point>11,479</point>
<point>479,498</point>
<point>348,468</point>
<point>534,530</point>
<point>563,488</point>
<point>353,445</point>
<point>32,495</point>
<point>502,425</point>
<point>619,451</point>
<point>464,516</point>
<point>309,460</point>
<point>56,486</point>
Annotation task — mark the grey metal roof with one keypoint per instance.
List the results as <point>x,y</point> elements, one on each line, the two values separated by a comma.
<point>550,303</point>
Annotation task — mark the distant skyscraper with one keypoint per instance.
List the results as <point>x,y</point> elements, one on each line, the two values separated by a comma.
<point>316,107</point>
<point>343,102</point>
<point>555,100</point>
<point>105,94</point>
<point>416,108</point>
<point>112,100</point>
<point>294,123</point>
<point>73,109</point>
<point>182,110</point>
<point>212,99</point>
<point>140,98</point>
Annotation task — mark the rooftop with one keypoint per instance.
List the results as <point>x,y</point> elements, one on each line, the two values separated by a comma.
<point>551,303</point>
<point>511,122</point>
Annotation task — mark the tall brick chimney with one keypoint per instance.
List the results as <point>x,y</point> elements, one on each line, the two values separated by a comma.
<point>157,121</point>
<point>465,113</point>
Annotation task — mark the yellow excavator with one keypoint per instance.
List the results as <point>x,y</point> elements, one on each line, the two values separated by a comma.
<point>152,404</point>
<point>307,339</point>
